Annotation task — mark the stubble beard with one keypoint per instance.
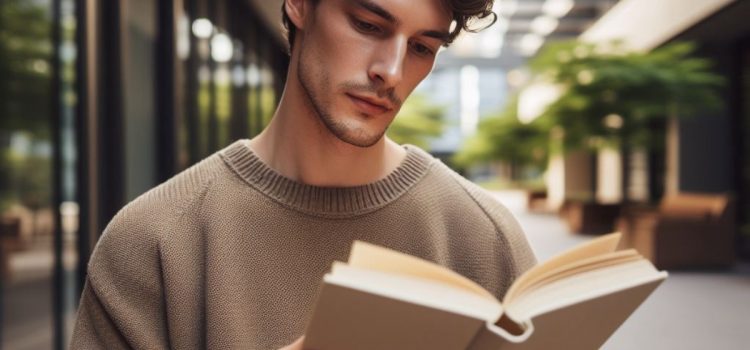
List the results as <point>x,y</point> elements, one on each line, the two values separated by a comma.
<point>354,136</point>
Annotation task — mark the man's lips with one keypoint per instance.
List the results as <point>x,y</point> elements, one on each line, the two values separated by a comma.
<point>368,106</point>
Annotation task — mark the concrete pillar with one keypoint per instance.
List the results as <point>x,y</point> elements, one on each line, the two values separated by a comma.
<point>672,171</point>
<point>609,176</point>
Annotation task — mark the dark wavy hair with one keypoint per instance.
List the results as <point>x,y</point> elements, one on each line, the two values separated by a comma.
<point>465,13</point>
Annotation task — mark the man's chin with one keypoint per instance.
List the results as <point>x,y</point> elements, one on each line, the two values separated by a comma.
<point>359,138</point>
<point>352,130</point>
<point>361,143</point>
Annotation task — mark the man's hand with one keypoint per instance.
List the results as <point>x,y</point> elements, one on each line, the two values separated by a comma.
<point>297,345</point>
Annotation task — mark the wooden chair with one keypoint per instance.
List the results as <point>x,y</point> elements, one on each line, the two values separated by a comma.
<point>687,230</point>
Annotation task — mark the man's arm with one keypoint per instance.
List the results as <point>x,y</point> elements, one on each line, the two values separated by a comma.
<point>94,327</point>
<point>122,305</point>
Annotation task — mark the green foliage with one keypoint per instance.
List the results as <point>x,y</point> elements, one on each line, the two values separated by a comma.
<point>502,137</point>
<point>417,122</point>
<point>34,184</point>
<point>25,67</point>
<point>613,96</point>
<point>25,180</point>
<point>25,51</point>
<point>5,180</point>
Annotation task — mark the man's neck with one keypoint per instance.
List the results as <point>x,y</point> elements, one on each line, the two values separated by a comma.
<point>298,146</point>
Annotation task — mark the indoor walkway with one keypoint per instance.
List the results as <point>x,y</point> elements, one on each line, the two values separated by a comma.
<point>690,310</point>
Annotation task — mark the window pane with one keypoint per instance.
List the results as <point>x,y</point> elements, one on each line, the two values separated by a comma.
<point>26,210</point>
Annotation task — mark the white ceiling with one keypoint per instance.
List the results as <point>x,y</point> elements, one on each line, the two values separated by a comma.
<point>651,29</point>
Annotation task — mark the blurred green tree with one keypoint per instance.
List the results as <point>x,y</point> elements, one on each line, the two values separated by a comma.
<point>5,180</point>
<point>619,98</point>
<point>25,54</point>
<point>613,96</point>
<point>502,137</point>
<point>418,122</point>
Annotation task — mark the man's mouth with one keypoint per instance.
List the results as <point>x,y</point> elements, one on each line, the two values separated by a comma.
<point>370,105</point>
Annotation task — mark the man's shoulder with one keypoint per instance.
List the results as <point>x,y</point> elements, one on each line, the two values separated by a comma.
<point>462,194</point>
<point>159,208</point>
<point>463,190</point>
<point>138,228</point>
<point>457,199</point>
<point>174,196</point>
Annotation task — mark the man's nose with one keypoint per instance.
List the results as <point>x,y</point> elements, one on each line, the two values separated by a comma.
<point>387,68</point>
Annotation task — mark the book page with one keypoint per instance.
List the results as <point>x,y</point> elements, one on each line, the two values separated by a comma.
<point>602,245</point>
<point>415,290</point>
<point>370,256</point>
<point>580,287</point>
<point>576,267</point>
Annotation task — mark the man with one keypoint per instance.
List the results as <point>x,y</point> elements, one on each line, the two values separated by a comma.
<point>231,252</point>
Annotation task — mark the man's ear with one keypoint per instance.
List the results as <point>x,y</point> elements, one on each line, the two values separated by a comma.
<point>297,10</point>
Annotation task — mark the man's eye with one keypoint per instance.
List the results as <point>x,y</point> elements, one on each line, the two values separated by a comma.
<point>365,26</point>
<point>422,50</point>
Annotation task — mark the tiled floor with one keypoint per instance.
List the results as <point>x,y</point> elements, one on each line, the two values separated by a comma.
<point>691,310</point>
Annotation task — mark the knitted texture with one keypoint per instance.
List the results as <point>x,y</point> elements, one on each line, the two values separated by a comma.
<point>229,254</point>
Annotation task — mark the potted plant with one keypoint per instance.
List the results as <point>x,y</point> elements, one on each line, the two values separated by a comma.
<point>613,98</point>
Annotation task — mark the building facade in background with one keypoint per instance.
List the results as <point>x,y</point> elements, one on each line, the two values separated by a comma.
<point>710,151</point>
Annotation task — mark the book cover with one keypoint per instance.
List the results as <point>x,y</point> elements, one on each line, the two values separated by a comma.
<point>384,299</point>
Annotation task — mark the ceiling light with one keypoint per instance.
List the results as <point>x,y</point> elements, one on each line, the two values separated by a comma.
<point>203,28</point>
<point>544,25</point>
<point>557,8</point>
<point>221,48</point>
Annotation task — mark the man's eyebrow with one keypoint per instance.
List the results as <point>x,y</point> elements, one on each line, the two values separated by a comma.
<point>442,36</point>
<point>377,9</point>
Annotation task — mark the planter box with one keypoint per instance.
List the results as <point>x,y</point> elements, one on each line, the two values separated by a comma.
<point>589,217</point>
<point>744,247</point>
<point>536,201</point>
<point>10,234</point>
<point>687,230</point>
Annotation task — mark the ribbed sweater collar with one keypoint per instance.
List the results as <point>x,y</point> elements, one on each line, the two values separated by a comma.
<point>335,202</point>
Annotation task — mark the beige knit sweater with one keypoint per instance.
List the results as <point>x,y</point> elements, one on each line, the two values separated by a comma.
<point>229,254</point>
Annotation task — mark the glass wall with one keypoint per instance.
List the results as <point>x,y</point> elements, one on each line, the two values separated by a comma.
<point>37,173</point>
<point>139,69</point>
<point>232,68</point>
<point>25,187</point>
<point>744,159</point>
<point>79,98</point>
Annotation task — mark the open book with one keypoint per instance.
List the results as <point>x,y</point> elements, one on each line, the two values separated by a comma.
<point>384,299</point>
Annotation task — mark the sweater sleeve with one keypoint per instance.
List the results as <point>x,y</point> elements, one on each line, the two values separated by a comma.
<point>94,327</point>
<point>122,305</point>
<point>510,231</point>
<point>513,245</point>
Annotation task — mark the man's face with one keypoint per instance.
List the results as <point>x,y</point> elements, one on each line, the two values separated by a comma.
<point>360,59</point>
